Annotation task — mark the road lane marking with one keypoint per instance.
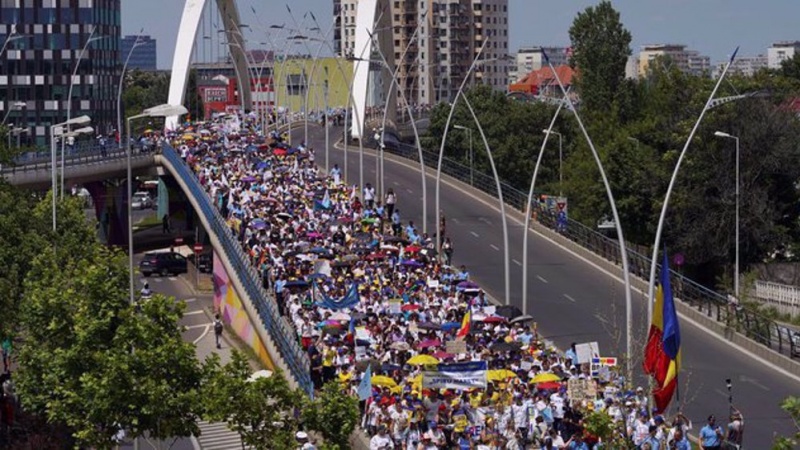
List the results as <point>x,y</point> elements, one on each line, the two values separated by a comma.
<point>753,381</point>
<point>409,191</point>
<point>455,220</point>
<point>395,183</point>
<point>173,278</point>
<point>190,300</point>
<point>601,318</point>
<point>516,262</point>
<point>193,313</point>
<point>475,234</point>
<point>158,280</point>
<point>205,332</point>
<point>494,247</point>
<point>484,220</point>
<point>541,279</point>
<point>194,327</point>
<point>569,298</point>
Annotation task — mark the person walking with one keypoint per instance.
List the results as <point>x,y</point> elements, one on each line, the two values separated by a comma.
<point>447,249</point>
<point>711,435</point>
<point>6,353</point>
<point>390,200</point>
<point>369,196</point>
<point>165,226</point>
<point>218,327</point>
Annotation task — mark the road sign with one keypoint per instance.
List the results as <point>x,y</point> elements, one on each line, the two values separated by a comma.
<point>178,241</point>
<point>198,248</point>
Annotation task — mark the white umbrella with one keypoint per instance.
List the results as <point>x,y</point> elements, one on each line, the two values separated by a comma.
<point>339,317</point>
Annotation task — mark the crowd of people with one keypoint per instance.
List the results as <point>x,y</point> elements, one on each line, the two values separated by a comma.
<point>374,306</point>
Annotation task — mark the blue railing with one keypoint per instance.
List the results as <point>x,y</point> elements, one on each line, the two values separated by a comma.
<point>283,336</point>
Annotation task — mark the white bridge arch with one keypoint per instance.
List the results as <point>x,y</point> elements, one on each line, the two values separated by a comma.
<point>187,33</point>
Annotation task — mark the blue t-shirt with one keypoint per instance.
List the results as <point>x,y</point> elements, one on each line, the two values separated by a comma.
<point>709,437</point>
<point>578,446</point>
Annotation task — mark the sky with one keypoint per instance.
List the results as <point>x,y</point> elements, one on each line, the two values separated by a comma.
<point>713,27</point>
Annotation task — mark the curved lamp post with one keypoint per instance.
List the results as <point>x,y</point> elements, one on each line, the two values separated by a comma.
<point>528,207</point>
<point>736,264</point>
<point>92,38</point>
<point>660,229</point>
<point>626,275</point>
<point>136,43</point>
<point>61,130</point>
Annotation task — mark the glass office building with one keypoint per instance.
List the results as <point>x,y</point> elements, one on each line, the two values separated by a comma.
<point>44,42</point>
<point>144,54</point>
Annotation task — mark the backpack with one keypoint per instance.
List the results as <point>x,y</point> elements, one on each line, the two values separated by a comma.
<point>218,326</point>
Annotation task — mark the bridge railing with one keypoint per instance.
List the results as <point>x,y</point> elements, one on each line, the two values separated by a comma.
<point>750,322</point>
<point>81,155</point>
<point>284,338</point>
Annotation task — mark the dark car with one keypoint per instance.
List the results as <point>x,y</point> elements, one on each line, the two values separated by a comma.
<point>204,263</point>
<point>164,264</point>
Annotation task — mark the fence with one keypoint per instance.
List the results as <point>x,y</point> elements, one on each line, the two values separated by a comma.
<point>786,299</point>
<point>284,338</point>
<point>751,323</point>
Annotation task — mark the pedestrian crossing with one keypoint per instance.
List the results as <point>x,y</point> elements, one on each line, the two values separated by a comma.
<point>217,436</point>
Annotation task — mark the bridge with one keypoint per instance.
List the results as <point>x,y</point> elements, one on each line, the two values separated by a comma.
<point>575,295</point>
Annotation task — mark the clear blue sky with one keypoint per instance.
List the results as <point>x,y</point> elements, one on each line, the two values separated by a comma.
<point>714,27</point>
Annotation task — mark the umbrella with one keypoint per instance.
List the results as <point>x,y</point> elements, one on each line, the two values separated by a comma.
<point>369,220</point>
<point>413,249</point>
<point>383,381</point>
<point>400,345</point>
<point>504,347</point>
<point>390,367</point>
<point>260,374</point>
<point>329,323</point>
<point>258,224</point>
<point>410,307</point>
<point>279,152</point>
<point>394,239</point>
<point>447,326</point>
<point>375,256</point>
<point>341,263</point>
<point>411,263</point>
<point>340,317</point>
<point>296,283</point>
<point>364,363</point>
<point>429,326</point>
<point>443,355</point>
<point>467,285</point>
<point>389,248</point>
<point>494,319</point>
<point>508,311</point>
<point>284,215</point>
<point>350,258</point>
<point>500,375</point>
<point>249,179</point>
<point>314,235</point>
<point>544,377</point>
<point>429,343</point>
<point>422,360</point>
<point>525,318</point>
<point>318,250</point>
<point>547,385</point>
<point>362,237</point>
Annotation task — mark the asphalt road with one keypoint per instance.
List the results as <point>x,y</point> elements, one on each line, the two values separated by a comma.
<point>574,302</point>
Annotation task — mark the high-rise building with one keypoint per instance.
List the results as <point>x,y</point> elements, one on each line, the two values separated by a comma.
<point>143,56</point>
<point>689,61</point>
<point>745,66</point>
<point>780,52</point>
<point>36,70</point>
<point>436,41</point>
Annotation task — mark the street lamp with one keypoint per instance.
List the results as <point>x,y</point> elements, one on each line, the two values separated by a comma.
<point>471,155</point>
<point>136,43</point>
<point>165,110</point>
<point>60,130</point>
<point>736,264</point>
<point>92,38</point>
<point>560,161</point>
<point>12,36</point>
<point>15,105</point>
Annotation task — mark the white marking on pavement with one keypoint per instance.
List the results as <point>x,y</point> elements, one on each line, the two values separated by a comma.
<point>455,220</point>
<point>720,392</point>
<point>752,381</point>
<point>601,318</point>
<point>205,332</point>
<point>409,191</point>
<point>158,280</point>
<point>569,298</point>
<point>190,300</point>
<point>494,247</point>
<point>475,234</point>
<point>541,279</point>
<point>484,220</point>
<point>516,262</point>
<point>202,325</point>
<point>173,278</point>
<point>395,183</point>
<point>193,313</point>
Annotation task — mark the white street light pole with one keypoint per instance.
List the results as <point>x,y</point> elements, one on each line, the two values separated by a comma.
<point>736,264</point>
<point>12,107</point>
<point>12,36</point>
<point>119,90</point>
<point>665,205</point>
<point>59,129</point>
<point>92,38</point>
<point>560,160</point>
<point>471,154</point>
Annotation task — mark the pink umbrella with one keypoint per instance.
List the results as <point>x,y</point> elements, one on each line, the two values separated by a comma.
<point>410,307</point>
<point>494,319</point>
<point>443,355</point>
<point>430,343</point>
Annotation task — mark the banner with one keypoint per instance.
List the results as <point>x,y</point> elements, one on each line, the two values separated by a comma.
<point>456,376</point>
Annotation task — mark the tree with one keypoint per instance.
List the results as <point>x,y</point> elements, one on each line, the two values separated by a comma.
<point>792,407</point>
<point>600,51</point>
<point>264,411</point>
<point>334,414</point>
<point>92,361</point>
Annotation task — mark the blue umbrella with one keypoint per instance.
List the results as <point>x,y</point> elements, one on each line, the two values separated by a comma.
<point>258,224</point>
<point>262,165</point>
<point>411,263</point>
<point>447,326</point>
<point>296,283</point>
<point>319,250</point>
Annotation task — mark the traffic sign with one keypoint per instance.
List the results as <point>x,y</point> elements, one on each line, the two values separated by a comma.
<point>178,241</point>
<point>198,248</point>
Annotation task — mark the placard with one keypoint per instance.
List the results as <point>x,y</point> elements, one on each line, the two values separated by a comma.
<point>581,390</point>
<point>395,306</point>
<point>456,347</point>
<point>586,351</point>
<point>526,365</point>
<point>458,376</point>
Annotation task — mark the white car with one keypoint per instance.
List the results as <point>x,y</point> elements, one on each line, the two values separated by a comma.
<point>141,200</point>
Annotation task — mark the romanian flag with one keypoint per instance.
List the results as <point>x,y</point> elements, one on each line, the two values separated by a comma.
<point>466,322</point>
<point>662,353</point>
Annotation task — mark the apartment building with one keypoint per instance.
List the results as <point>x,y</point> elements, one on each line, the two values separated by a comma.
<point>780,52</point>
<point>689,61</point>
<point>530,59</point>
<point>434,42</point>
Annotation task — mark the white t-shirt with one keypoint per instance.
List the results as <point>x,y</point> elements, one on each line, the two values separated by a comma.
<point>379,442</point>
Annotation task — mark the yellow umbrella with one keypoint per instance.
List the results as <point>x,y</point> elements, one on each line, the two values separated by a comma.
<point>384,381</point>
<point>545,377</point>
<point>500,375</point>
<point>422,360</point>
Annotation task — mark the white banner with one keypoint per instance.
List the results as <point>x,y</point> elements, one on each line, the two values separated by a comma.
<point>456,376</point>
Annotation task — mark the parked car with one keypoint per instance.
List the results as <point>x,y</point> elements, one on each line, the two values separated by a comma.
<point>141,200</point>
<point>164,264</point>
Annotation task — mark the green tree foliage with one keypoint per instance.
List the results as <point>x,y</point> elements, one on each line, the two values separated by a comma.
<point>264,411</point>
<point>792,407</point>
<point>334,414</point>
<point>89,359</point>
<point>600,46</point>
<point>144,89</point>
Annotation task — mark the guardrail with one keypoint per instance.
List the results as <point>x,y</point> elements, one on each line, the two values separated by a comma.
<point>295,358</point>
<point>749,322</point>
<point>86,156</point>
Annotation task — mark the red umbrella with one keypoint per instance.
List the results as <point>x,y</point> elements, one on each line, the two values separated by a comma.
<point>494,319</point>
<point>410,307</point>
<point>375,256</point>
<point>279,152</point>
<point>413,249</point>
<point>548,385</point>
<point>430,343</point>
